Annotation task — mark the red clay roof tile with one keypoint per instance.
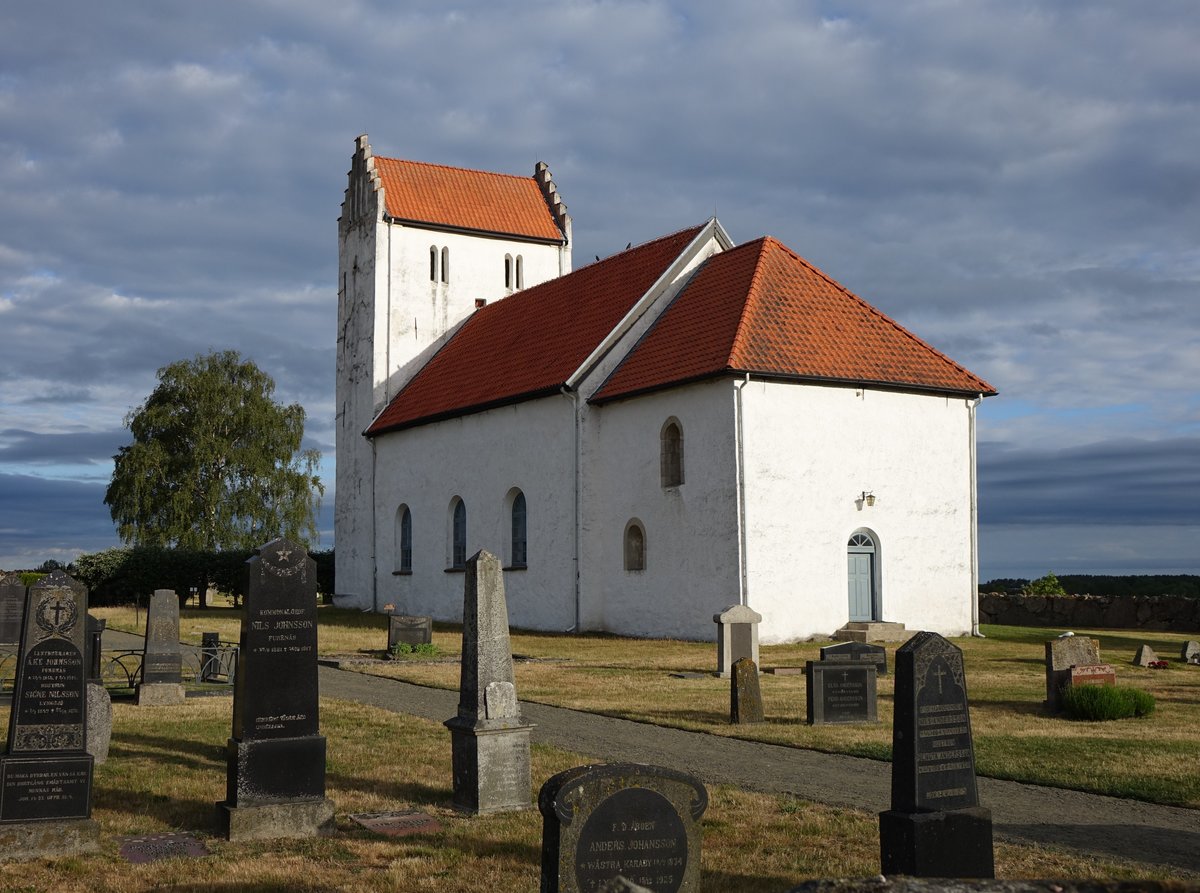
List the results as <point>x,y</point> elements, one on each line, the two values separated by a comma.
<point>465,199</point>
<point>530,343</point>
<point>760,308</point>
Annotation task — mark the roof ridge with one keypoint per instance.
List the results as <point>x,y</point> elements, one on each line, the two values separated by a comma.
<point>751,294</point>
<point>875,311</point>
<point>451,167</point>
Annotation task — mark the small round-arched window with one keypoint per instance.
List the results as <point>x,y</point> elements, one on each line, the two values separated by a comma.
<point>635,547</point>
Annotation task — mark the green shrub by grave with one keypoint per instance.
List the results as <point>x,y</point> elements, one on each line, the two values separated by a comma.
<point>1098,703</point>
<point>426,649</point>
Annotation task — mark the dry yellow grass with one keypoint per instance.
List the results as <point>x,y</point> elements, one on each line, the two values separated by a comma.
<point>167,766</point>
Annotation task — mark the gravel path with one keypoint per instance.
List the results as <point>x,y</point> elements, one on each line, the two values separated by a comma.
<point>1023,813</point>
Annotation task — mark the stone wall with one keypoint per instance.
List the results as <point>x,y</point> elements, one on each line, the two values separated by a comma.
<point>1158,612</point>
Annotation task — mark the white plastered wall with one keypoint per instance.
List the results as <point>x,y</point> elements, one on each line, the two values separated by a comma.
<point>480,458</point>
<point>810,452</point>
<point>692,569</point>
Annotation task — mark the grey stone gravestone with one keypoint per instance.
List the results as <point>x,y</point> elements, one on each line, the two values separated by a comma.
<point>841,692</point>
<point>745,694</point>
<point>12,608</point>
<point>407,630</point>
<point>489,738</point>
<point>275,780</point>
<point>936,827</point>
<point>1145,656</point>
<point>737,636</point>
<point>857,652</point>
<point>1062,654</point>
<point>46,776</point>
<point>621,820</point>
<point>1189,652</point>
<point>162,661</point>
<point>99,702</point>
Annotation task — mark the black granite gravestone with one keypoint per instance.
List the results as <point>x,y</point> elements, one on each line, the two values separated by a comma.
<point>12,608</point>
<point>857,652</point>
<point>406,630</point>
<point>638,822</point>
<point>162,661</point>
<point>935,827</point>
<point>745,694</point>
<point>46,776</point>
<point>840,692</point>
<point>275,784</point>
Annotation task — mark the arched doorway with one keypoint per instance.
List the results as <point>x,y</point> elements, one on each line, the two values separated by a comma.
<point>861,557</point>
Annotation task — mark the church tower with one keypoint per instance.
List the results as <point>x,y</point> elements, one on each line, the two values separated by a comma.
<point>420,247</point>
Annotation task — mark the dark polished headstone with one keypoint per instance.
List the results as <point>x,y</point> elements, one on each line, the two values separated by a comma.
<point>935,827</point>
<point>162,661</point>
<point>745,694</point>
<point>12,608</point>
<point>621,820</point>
<point>46,776</point>
<point>489,738</point>
<point>840,692</point>
<point>409,630</point>
<point>857,652</point>
<point>275,779</point>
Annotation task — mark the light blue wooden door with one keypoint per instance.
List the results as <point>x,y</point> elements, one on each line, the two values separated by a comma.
<point>860,567</point>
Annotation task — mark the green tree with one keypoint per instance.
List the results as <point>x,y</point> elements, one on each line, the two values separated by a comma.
<point>215,462</point>
<point>1047,585</point>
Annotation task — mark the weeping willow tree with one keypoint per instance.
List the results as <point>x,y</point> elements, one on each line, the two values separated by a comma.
<point>215,462</point>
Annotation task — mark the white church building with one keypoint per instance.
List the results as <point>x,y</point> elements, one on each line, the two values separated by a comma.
<point>686,425</point>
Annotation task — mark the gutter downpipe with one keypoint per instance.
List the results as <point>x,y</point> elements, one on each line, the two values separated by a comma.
<point>740,464</point>
<point>374,545</point>
<point>574,396</point>
<point>971,407</point>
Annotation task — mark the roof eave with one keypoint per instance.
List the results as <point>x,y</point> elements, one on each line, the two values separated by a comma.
<point>469,231</point>
<point>458,412</point>
<point>790,378</point>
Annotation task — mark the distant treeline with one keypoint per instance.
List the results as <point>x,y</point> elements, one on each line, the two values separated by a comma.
<point>1187,585</point>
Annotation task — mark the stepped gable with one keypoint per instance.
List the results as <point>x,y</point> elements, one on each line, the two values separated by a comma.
<point>470,200</point>
<point>762,309</point>
<point>529,344</point>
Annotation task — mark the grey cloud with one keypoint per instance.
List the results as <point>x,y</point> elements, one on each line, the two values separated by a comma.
<point>75,448</point>
<point>1131,482</point>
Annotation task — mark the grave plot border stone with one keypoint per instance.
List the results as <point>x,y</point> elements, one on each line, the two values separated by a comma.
<point>621,819</point>
<point>832,700</point>
<point>275,756</point>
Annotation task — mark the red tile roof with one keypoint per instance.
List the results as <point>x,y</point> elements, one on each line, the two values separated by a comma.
<point>529,344</point>
<point>760,308</point>
<point>465,199</point>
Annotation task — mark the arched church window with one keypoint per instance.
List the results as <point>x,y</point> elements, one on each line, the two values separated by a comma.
<point>635,546</point>
<point>508,272</point>
<point>671,453</point>
<point>403,540</point>
<point>520,271</point>
<point>445,264</point>
<point>458,535</point>
<point>518,544</point>
<point>433,265</point>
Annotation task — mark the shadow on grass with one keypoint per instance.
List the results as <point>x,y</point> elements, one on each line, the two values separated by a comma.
<point>399,792</point>
<point>1163,846</point>
<point>744,883</point>
<point>197,755</point>
<point>174,812</point>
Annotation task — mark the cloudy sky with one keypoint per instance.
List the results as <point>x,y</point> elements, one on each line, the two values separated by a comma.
<point>1016,181</point>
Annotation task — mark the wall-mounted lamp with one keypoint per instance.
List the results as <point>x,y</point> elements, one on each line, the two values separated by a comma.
<point>867,497</point>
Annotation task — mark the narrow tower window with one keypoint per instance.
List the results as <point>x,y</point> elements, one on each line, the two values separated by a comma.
<point>458,535</point>
<point>433,259</point>
<point>508,272</point>
<point>671,453</point>
<point>635,547</point>
<point>519,550</point>
<point>520,271</point>
<point>445,264</point>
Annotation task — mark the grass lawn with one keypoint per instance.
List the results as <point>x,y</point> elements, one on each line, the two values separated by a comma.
<point>166,769</point>
<point>1152,759</point>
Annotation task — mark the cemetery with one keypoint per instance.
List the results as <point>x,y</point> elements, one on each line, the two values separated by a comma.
<point>338,788</point>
